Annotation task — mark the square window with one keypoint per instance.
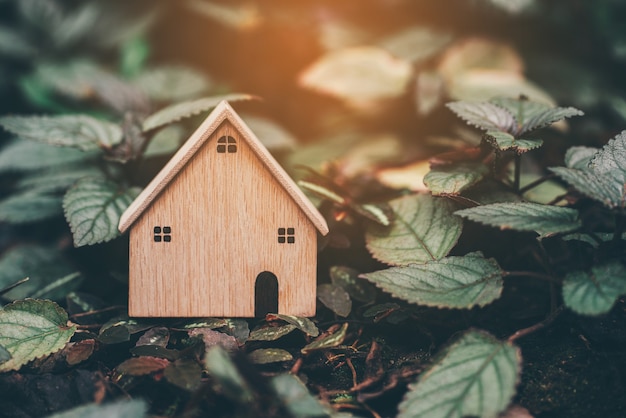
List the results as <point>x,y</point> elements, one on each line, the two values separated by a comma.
<point>281,231</point>
<point>291,240</point>
<point>167,230</point>
<point>157,229</point>
<point>281,239</point>
<point>157,238</point>
<point>232,148</point>
<point>221,149</point>
<point>291,231</point>
<point>167,238</point>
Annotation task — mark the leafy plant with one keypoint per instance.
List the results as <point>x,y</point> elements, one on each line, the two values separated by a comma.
<point>456,235</point>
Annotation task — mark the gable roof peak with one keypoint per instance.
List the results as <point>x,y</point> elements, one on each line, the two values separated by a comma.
<point>222,112</point>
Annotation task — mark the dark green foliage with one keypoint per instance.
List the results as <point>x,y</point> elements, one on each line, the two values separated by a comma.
<point>519,222</point>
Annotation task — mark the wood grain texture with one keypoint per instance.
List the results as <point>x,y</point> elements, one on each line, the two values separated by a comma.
<point>223,112</point>
<point>224,211</point>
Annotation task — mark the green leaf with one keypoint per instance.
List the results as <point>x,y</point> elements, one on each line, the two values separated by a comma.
<point>327,341</point>
<point>605,189</point>
<point>453,179</point>
<point>595,292</point>
<point>172,83</point>
<point>183,110</point>
<point>93,208</point>
<point>505,141</point>
<point>348,278</point>
<point>29,155</point>
<point>543,219</point>
<point>46,268</point>
<point>475,376</point>
<point>210,323</point>
<point>4,355</point>
<point>453,282</point>
<point>32,328</point>
<point>335,298</point>
<point>424,229</point>
<point>120,329</point>
<point>270,333</point>
<point>534,115</point>
<point>80,131</point>
<point>271,134</point>
<point>224,371</point>
<point>296,397</point>
<point>579,157</point>
<point>165,141</point>
<point>611,159</point>
<point>57,179</point>
<point>484,115</point>
<point>133,408</point>
<point>29,207</point>
<point>303,324</point>
<point>269,355</point>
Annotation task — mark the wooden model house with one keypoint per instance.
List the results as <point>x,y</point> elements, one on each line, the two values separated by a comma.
<point>223,231</point>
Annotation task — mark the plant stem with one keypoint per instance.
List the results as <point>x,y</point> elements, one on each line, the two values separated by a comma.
<point>536,183</point>
<point>518,172</point>
<point>526,331</point>
<point>540,276</point>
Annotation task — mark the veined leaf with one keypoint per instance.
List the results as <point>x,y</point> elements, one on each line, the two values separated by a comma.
<point>504,141</point>
<point>303,324</point>
<point>453,179</point>
<point>29,155</point>
<point>133,408</point>
<point>165,141</point>
<point>93,208</point>
<point>296,397</point>
<point>139,366</point>
<point>32,328</point>
<point>476,376</point>
<point>604,188</point>
<point>543,219</point>
<point>184,373</point>
<point>348,278</point>
<point>56,179</point>
<point>269,355</point>
<point>44,266</point>
<point>29,207</point>
<point>172,83</point>
<point>611,159</point>
<point>183,110</point>
<point>532,115</point>
<point>270,333</point>
<point>484,115</point>
<point>424,229</point>
<point>453,282</point>
<point>595,293</point>
<point>81,131</point>
<point>327,341</point>
<point>579,157</point>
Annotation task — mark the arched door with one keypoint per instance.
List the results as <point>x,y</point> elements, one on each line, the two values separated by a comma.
<point>265,294</point>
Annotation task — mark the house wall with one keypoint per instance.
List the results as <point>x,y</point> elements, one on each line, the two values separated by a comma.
<point>224,211</point>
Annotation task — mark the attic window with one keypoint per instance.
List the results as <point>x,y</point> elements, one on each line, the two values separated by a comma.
<point>162,234</point>
<point>226,144</point>
<point>287,235</point>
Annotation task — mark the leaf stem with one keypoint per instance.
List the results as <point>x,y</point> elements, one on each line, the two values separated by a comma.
<point>518,172</point>
<point>534,274</point>
<point>536,183</point>
<point>533,328</point>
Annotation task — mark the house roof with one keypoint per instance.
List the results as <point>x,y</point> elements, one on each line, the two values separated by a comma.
<point>222,112</point>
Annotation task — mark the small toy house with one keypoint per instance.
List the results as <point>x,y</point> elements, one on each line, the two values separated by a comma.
<point>223,231</point>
